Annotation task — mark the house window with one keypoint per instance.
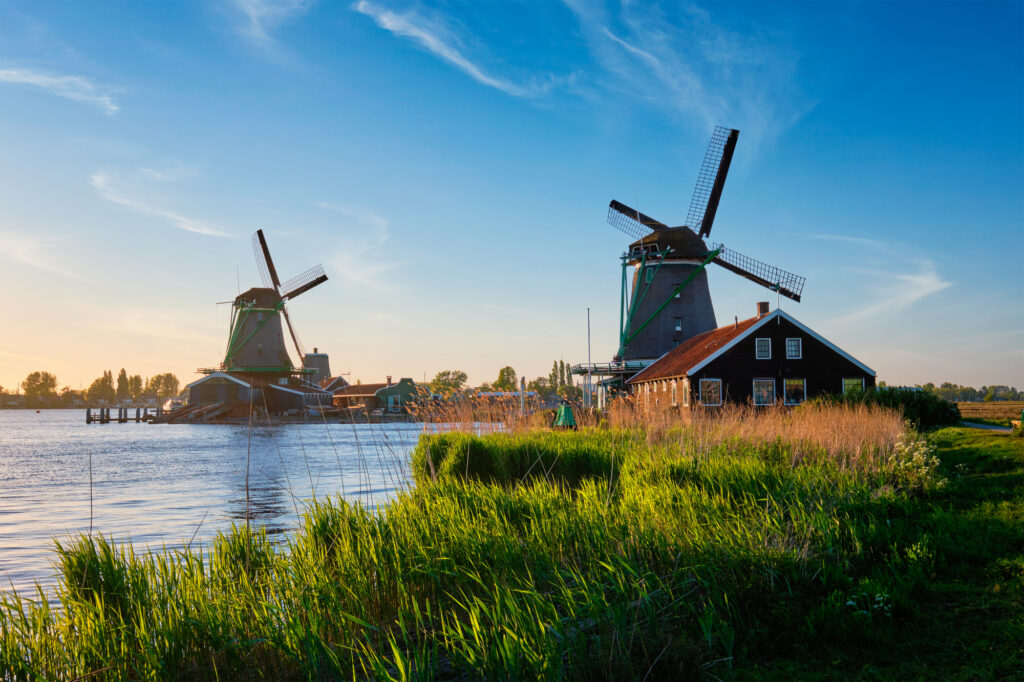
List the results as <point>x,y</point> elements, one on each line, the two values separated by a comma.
<point>686,393</point>
<point>711,391</point>
<point>796,391</point>
<point>282,381</point>
<point>679,324</point>
<point>854,384</point>
<point>679,292</point>
<point>259,317</point>
<point>794,349</point>
<point>763,349</point>
<point>650,275</point>
<point>675,394</point>
<point>764,391</point>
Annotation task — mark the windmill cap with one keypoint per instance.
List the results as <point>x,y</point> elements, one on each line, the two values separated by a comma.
<point>683,241</point>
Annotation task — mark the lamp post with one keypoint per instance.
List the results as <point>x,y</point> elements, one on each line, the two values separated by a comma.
<point>586,402</point>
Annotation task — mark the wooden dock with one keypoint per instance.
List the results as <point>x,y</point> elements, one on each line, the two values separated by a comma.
<point>123,415</point>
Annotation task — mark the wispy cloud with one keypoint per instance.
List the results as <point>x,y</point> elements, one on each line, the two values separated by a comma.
<point>897,291</point>
<point>437,38</point>
<point>109,187</point>
<point>360,259</point>
<point>681,60</point>
<point>862,241</point>
<point>260,17</point>
<point>70,87</point>
<point>35,252</point>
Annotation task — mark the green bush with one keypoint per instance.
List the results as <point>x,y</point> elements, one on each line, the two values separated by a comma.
<point>922,409</point>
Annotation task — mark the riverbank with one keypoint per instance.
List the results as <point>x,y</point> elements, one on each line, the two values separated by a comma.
<point>824,544</point>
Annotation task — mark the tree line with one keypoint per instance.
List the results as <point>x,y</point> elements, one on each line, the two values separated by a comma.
<point>557,384</point>
<point>40,389</point>
<point>957,393</point>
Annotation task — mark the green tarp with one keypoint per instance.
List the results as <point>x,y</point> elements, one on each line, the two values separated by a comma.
<point>564,416</point>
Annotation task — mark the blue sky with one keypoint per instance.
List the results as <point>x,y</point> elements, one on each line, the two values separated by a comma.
<point>451,164</point>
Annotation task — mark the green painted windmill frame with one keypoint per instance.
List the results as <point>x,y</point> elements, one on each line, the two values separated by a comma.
<point>626,319</point>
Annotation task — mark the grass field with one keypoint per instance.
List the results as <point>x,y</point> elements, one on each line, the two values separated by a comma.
<point>1001,409</point>
<point>837,546</point>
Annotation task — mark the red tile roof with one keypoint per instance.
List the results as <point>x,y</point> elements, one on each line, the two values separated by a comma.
<point>680,359</point>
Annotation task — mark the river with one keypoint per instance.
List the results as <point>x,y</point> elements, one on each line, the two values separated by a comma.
<point>172,484</point>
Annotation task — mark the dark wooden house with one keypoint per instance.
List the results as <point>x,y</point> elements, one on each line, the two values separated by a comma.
<point>768,359</point>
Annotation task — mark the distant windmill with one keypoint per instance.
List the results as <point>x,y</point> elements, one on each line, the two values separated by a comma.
<point>256,344</point>
<point>669,300</point>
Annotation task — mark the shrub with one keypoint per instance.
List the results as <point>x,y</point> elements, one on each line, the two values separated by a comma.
<point>922,409</point>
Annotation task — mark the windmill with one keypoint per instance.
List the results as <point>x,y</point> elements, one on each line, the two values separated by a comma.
<point>256,345</point>
<point>669,300</point>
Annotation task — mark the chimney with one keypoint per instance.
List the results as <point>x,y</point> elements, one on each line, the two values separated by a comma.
<point>762,308</point>
<point>736,321</point>
<point>389,380</point>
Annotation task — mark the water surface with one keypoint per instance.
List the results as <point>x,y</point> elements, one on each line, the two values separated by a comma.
<point>171,484</point>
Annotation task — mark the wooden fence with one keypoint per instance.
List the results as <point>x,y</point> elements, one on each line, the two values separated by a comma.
<point>996,409</point>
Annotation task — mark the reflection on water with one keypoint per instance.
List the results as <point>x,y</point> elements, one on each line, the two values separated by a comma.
<point>158,485</point>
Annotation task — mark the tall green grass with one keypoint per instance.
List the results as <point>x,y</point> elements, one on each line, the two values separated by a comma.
<point>523,556</point>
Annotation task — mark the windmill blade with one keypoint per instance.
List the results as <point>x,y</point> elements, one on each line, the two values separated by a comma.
<point>295,337</point>
<point>711,180</point>
<point>300,284</point>
<point>631,221</point>
<point>768,276</point>
<point>264,263</point>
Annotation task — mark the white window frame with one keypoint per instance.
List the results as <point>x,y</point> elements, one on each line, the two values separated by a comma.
<point>686,392</point>
<point>753,391</point>
<point>842,385</point>
<point>675,394</point>
<point>679,324</point>
<point>785,397</point>
<point>799,348</point>
<point>757,348</point>
<point>679,292</point>
<point>701,387</point>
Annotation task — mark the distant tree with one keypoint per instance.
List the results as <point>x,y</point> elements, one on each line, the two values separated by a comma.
<point>101,389</point>
<point>166,385</point>
<point>507,380</point>
<point>135,387</point>
<point>541,385</point>
<point>122,384</point>
<point>39,385</point>
<point>563,374</point>
<point>449,381</point>
<point>569,392</point>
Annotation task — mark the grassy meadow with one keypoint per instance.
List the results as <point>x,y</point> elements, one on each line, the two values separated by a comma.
<point>830,542</point>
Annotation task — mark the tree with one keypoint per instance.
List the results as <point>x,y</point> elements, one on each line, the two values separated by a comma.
<point>102,389</point>
<point>39,385</point>
<point>449,381</point>
<point>553,378</point>
<point>122,384</point>
<point>506,380</point>
<point>563,374</point>
<point>135,387</point>
<point>162,385</point>
<point>541,385</point>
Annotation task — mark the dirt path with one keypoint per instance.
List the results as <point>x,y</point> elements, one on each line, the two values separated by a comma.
<point>987,427</point>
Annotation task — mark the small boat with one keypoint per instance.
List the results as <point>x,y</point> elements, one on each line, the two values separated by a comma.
<point>174,404</point>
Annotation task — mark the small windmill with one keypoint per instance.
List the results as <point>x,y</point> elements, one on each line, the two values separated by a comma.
<point>669,300</point>
<point>256,345</point>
